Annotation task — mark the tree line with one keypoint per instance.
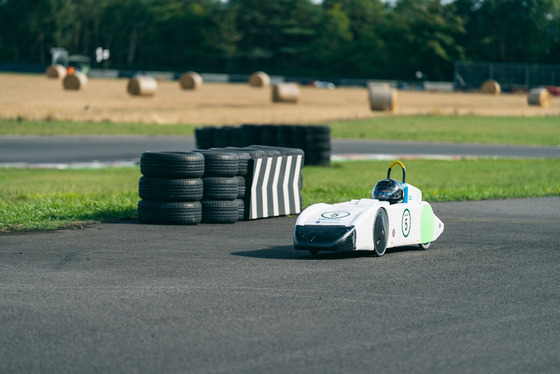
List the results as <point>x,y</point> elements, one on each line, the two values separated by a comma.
<point>332,38</point>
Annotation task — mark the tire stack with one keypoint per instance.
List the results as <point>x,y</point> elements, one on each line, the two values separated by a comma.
<point>223,186</point>
<point>171,188</point>
<point>317,145</point>
<point>244,156</point>
<point>313,140</point>
<point>273,181</point>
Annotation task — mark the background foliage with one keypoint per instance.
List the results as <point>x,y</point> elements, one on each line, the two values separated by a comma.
<point>343,38</point>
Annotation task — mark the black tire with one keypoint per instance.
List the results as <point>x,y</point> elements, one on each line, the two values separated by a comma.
<point>298,136</point>
<point>380,233</point>
<point>241,215</point>
<point>170,213</point>
<point>221,188</point>
<point>268,135</point>
<point>424,246</point>
<point>204,137</point>
<point>220,211</point>
<point>220,164</point>
<point>165,164</point>
<point>250,134</point>
<point>163,189</point>
<point>284,136</point>
<point>242,158</point>
<point>235,137</point>
<point>242,185</point>
<point>221,137</point>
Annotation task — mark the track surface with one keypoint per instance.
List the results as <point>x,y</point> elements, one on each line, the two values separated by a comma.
<point>239,299</point>
<point>37,149</point>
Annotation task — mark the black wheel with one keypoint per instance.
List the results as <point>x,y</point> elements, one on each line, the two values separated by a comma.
<point>380,233</point>
<point>242,187</point>
<point>425,245</point>
<point>164,189</point>
<point>172,164</point>
<point>220,211</point>
<point>241,211</point>
<point>220,164</point>
<point>242,158</point>
<point>221,188</point>
<point>204,137</point>
<point>172,213</point>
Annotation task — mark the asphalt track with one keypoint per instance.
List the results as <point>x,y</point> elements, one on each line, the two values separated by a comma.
<point>132,298</point>
<point>238,298</point>
<point>26,150</point>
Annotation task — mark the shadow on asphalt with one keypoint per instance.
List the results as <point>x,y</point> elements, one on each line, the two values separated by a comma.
<point>287,252</point>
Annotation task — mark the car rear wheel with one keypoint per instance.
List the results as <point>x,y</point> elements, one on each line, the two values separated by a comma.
<point>380,233</point>
<point>425,246</point>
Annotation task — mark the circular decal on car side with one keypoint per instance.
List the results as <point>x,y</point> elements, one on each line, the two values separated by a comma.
<point>406,223</point>
<point>337,214</point>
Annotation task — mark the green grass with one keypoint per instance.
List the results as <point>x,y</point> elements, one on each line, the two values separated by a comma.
<point>22,126</point>
<point>458,129</point>
<point>38,199</point>
<point>47,199</point>
<point>438,180</point>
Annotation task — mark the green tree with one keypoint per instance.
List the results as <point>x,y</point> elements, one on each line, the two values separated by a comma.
<point>363,55</point>
<point>510,30</point>
<point>277,34</point>
<point>333,35</point>
<point>423,38</point>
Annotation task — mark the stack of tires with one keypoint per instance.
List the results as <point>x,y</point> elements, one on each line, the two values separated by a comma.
<point>219,185</point>
<point>223,186</point>
<point>171,188</point>
<point>313,140</point>
<point>317,145</point>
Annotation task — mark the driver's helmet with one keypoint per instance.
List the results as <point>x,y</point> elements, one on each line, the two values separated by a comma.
<point>388,190</point>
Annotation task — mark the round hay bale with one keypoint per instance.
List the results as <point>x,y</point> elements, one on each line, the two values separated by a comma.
<point>142,86</point>
<point>190,80</point>
<point>56,71</point>
<point>259,79</point>
<point>75,81</point>
<point>491,87</point>
<point>539,97</point>
<point>382,98</point>
<point>285,93</point>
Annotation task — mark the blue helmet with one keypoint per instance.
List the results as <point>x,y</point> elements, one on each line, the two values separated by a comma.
<point>388,190</point>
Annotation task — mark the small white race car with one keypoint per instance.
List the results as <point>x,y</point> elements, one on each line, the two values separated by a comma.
<point>395,216</point>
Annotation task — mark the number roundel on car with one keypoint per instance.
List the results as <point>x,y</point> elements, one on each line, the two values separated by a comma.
<point>406,223</point>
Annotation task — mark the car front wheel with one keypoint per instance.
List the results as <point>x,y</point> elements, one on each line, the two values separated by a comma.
<point>380,233</point>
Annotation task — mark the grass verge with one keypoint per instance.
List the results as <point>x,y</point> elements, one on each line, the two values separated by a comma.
<point>543,131</point>
<point>457,129</point>
<point>38,199</point>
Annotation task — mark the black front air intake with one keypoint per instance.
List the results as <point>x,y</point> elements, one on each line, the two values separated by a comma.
<point>326,238</point>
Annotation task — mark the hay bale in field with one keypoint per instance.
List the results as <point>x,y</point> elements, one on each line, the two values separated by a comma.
<point>75,81</point>
<point>539,97</point>
<point>382,97</point>
<point>142,86</point>
<point>190,80</point>
<point>285,93</point>
<point>56,71</point>
<point>491,87</point>
<point>259,79</point>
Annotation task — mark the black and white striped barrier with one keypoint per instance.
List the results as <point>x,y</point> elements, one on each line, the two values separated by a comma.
<point>274,187</point>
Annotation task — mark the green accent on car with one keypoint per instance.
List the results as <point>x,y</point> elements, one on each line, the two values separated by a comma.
<point>427,225</point>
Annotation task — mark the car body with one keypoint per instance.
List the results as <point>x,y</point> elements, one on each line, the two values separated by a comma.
<point>368,224</point>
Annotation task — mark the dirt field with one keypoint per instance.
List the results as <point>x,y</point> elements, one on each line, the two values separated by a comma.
<point>37,97</point>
